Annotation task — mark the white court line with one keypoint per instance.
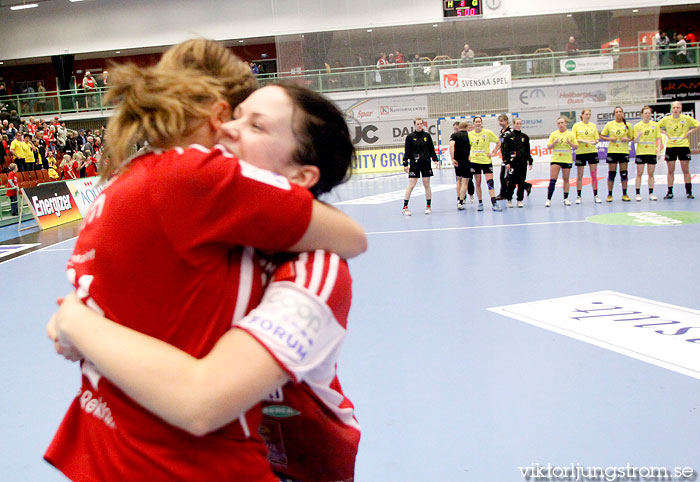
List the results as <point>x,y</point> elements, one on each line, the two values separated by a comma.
<point>38,250</point>
<point>475,227</point>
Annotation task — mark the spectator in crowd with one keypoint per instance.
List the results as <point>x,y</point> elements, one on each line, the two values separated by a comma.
<point>17,149</point>
<point>681,52</point>
<point>81,138</point>
<point>88,151</point>
<point>12,188</point>
<point>105,78</point>
<point>662,43</point>
<point>4,116</point>
<point>61,136</point>
<point>572,46</point>
<point>76,162</point>
<point>382,63</point>
<point>3,91</point>
<point>53,169</point>
<point>90,88</point>
<point>71,144</point>
<point>31,126</point>
<point>692,43</point>
<point>6,155</point>
<point>50,137</point>
<point>391,69</point>
<point>89,167</point>
<point>30,98</point>
<point>31,154</point>
<point>40,151</point>
<point>254,68</point>
<point>467,55</point>
<point>67,168</point>
<point>418,68</point>
<point>11,132</point>
<point>14,118</point>
<point>41,97</point>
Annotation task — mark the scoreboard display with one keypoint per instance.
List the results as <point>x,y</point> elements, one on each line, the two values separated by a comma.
<point>461,8</point>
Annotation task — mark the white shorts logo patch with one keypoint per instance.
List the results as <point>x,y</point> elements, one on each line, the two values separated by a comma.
<point>658,333</point>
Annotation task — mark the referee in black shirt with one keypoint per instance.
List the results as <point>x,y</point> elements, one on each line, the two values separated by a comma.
<point>418,153</point>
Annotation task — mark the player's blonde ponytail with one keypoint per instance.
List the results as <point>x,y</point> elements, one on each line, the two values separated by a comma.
<point>166,102</point>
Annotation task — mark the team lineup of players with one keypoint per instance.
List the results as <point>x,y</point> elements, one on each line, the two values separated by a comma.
<point>471,155</point>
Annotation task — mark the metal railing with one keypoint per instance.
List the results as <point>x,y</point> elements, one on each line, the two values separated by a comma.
<point>407,75</point>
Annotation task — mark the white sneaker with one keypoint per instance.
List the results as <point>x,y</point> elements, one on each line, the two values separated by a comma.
<point>653,198</point>
<point>567,202</point>
<point>406,212</point>
<point>428,210</point>
<point>547,203</point>
<point>460,205</point>
<point>638,197</point>
<point>578,200</point>
<point>509,204</point>
<point>520,204</point>
<point>471,199</point>
<point>597,200</point>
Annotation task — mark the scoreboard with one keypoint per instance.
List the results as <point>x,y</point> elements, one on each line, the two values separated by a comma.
<point>461,8</point>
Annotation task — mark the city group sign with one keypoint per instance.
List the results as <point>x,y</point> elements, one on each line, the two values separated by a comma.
<point>475,78</point>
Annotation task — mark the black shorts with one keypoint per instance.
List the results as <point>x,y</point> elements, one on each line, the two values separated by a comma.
<point>564,165</point>
<point>463,170</point>
<point>590,158</point>
<point>615,157</point>
<point>481,168</point>
<point>677,153</point>
<point>420,168</point>
<point>645,159</point>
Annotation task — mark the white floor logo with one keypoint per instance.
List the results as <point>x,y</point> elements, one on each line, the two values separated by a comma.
<point>657,333</point>
<point>653,218</point>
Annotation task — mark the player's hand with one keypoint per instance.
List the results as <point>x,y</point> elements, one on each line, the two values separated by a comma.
<point>67,351</point>
<point>455,163</point>
<point>69,311</point>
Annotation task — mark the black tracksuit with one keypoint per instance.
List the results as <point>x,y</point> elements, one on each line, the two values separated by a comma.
<point>516,153</point>
<point>503,177</point>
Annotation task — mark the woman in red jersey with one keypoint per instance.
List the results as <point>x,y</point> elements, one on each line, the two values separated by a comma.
<point>293,335</point>
<point>155,255</point>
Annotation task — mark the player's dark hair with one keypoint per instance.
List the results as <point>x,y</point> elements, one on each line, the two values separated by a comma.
<point>623,114</point>
<point>323,137</point>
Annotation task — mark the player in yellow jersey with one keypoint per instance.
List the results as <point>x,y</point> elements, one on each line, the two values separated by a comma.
<point>480,160</point>
<point>586,134</point>
<point>618,134</point>
<point>678,127</point>
<point>561,142</point>
<point>648,145</point>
